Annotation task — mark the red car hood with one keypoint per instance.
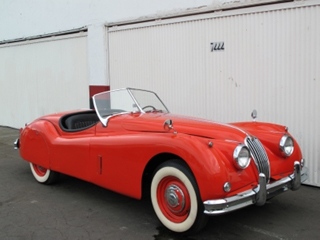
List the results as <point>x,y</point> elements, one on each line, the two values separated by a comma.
<point>154,122</point>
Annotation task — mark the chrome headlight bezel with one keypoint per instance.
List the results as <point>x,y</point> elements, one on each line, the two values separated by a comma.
<point>286,145</point>
<point>241,157</point>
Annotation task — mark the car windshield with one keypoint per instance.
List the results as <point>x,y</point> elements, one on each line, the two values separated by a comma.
<point>126,100</point>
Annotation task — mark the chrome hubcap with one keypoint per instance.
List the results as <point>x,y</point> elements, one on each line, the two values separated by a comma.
<point>174,198</point>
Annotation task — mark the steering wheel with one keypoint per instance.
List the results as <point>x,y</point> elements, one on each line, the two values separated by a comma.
<point>149,106</point>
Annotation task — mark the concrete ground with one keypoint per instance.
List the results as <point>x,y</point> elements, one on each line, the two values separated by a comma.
<point>74,209</point>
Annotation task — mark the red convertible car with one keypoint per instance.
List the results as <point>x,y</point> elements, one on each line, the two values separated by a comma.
<point>190,167</point>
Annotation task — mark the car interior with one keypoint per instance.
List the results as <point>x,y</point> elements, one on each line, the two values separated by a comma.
<point>78,121</point>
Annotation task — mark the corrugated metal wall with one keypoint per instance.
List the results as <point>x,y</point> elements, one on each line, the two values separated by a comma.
<point>270,62</point>
<point>42,76</point>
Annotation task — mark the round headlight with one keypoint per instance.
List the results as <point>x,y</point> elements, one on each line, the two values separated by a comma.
<point>286,145</point>
<point>241,157</point>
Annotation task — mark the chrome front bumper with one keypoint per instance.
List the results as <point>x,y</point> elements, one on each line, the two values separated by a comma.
<point>260,194</point>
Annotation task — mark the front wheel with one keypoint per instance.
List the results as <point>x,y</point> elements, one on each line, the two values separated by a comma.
<point>175,198</point>
<point>44,175</point>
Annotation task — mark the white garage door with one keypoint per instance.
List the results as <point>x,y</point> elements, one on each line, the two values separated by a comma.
<point>43,76</point>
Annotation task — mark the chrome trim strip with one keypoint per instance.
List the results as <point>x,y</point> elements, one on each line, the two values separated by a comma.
<point>258,195</point>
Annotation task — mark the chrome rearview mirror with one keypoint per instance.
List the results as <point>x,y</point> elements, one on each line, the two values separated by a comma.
<point>254,115</point>
<point>168,124</point>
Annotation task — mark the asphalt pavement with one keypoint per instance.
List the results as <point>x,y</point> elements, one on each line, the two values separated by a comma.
<point>74,209</point>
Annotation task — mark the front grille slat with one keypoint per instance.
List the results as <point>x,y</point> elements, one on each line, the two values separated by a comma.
<point>259,156</point>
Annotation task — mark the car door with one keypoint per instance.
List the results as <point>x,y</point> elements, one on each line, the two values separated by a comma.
<point>70,153</point>
<point>113,163</point>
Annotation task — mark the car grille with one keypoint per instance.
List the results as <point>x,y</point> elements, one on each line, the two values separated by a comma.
<point>259,156</point>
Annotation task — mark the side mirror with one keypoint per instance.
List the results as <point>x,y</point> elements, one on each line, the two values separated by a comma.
<point>168,124</point>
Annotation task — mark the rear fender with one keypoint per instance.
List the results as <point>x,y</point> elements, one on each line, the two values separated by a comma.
<point>34,142</point>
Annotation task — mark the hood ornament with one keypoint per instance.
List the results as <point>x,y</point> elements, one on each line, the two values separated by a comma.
<point>254,115</point>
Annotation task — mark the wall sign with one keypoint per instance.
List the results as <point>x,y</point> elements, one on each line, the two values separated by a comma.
<point>217,46</point>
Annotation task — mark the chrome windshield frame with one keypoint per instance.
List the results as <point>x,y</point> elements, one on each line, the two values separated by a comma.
<point>105,120</point>
<point>134,99</point>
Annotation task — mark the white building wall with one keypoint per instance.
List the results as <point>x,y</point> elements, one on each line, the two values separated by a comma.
<point>270,63</point>
<point>43,76</point>
<point>24,18</point>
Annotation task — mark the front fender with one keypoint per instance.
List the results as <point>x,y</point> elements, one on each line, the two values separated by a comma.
<point>206,163</point>
<point>211,165</point>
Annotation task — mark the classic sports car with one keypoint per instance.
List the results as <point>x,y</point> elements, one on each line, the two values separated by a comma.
<point>190,167</point>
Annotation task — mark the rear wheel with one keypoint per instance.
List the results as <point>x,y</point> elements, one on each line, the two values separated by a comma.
<point>175,198</point>
<point>43,175</point>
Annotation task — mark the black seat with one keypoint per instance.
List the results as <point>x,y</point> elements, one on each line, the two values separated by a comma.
<point>79,121</point>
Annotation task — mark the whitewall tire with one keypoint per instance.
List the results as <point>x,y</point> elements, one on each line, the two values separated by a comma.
<point>175,198</point>
<point>43,175</point>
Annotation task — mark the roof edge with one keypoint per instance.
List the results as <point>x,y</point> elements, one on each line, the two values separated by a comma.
<point>47,35</point>
<point>237,4</point>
